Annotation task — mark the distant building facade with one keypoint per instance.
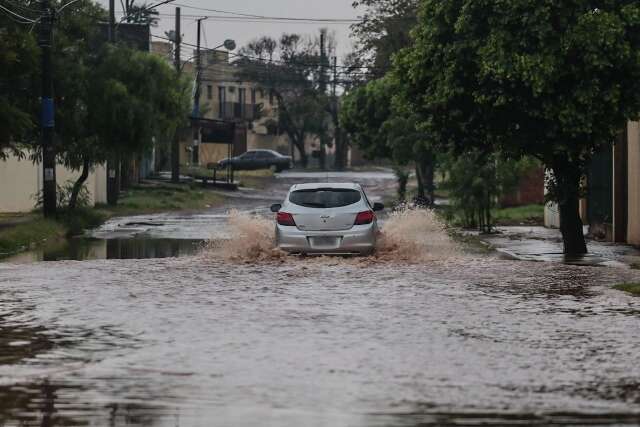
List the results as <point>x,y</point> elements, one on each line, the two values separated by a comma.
<point>226,97</point>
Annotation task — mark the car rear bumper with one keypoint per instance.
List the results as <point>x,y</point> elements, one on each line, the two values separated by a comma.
<point>358,239</point>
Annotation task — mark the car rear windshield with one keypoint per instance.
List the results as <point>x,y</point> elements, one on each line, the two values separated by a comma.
<point>325,197</point>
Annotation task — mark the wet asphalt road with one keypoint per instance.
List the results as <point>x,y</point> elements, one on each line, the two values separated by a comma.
<point>201,340</point>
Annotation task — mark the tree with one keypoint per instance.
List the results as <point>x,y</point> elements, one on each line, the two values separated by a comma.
<point>553,80</point>
<point>383,31</point>
<point>134,97</point>
<point>291,70</point>
<point>18,84</point>
<point>383,128</point>
<point>139,14</point>
<point>78,147</point>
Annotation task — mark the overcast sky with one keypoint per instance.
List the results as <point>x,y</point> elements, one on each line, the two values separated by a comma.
<point>214,32</point>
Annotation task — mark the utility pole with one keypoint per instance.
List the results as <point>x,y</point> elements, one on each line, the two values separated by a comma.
<point>112,163</point>
<point>112,21</point>
<point>339,160</point>
<point>45,40</point>
<point>175,144</point>
<point>323,89</point>
<point>196,102</point>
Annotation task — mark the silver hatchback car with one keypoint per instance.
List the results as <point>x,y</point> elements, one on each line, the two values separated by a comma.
<point>327,218</point>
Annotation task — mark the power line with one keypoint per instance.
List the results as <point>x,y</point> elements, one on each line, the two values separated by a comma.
<point>218,18</point>
<point>24,19</point>
<point>23,7</point>
<point>275,61</point>
<point>67,4</point>
<point>249,15</point>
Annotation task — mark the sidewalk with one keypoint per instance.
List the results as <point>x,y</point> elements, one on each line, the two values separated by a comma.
<point>537,243</point>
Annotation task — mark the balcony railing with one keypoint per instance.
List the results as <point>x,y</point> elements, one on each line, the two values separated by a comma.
<point>237,111</point>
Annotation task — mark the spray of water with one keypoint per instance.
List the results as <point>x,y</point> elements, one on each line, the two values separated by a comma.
<point>408,235</point>
<point>251,239</point>
<point>415,235</point>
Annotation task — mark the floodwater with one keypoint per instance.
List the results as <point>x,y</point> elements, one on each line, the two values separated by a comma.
<point>239,335</point>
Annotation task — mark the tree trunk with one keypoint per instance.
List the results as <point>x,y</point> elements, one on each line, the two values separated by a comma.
<point>299,144</point>
<point>567,188</point>
<point>125,173</point>
<point>340,162</point>
<point>113,188</point>
<point>175,158</point>
<point>425,170</point>
<point>77,186</point>
<point>420,178</point>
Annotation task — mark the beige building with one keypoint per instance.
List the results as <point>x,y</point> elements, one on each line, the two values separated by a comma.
<point>21,182</point>
<point>226,97</point>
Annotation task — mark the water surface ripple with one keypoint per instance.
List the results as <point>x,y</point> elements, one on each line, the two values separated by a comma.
<point>340,342</point>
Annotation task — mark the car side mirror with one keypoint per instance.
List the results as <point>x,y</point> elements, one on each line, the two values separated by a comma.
<point>276,207</point>
<point>378,207</point>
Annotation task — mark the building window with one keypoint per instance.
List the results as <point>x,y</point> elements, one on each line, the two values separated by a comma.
<point>222,99</point>
<point>271,97</point>
<point>209,91</point>
<point>253,96</point>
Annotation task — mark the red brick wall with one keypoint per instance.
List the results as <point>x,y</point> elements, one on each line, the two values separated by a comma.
<point>530,190</point>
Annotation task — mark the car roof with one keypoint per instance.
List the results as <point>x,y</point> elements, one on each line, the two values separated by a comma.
<point>314,185</point>
<point>262,150</point>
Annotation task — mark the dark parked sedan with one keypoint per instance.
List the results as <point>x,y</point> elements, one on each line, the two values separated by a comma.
<point>258,159</point>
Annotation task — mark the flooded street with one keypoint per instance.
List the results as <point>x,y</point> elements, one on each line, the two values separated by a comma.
<point>420,334</point>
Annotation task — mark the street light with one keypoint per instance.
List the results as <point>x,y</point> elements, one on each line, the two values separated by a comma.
<point>228,44</point>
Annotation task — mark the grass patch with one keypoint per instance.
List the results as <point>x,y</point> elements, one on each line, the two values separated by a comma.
<point>30,234</point>
<point>632,288</point>
<point>33,230</point>
<point>528,214</point>
<point>519,215</point>
<point>471,243</point>
<point>165,197</point>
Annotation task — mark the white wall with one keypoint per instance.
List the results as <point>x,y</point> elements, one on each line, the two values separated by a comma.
<point>21,181</point>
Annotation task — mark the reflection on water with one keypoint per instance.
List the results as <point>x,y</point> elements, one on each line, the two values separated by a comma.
<point>82,249</point>
<point>322,341</point>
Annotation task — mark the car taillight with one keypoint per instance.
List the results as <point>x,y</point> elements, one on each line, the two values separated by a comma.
<point>365,217</point>
<point>285,218</point>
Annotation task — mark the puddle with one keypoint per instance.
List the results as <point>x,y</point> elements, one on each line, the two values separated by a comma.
<point>83,249</point>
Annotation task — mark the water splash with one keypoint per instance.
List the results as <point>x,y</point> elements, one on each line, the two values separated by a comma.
<point>408,235</point>
<point>415,235</point>
<point>252,239</point>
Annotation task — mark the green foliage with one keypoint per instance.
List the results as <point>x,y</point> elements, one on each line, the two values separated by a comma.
<point>402,178</point>
<point>383,31</point>
<point>23,236</point>
<point>293,70</point>
<point>63,195</point>
<point>554,80</point>
<point>135,96</point>
<point>632,288</point>
<point>475,182</point>
<point>518,215</point>
<point>18,83</point>
<point>379,125</point>
<point>382,126</point>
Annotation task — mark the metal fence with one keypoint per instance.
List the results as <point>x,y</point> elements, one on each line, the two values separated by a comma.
<point>237,111</point>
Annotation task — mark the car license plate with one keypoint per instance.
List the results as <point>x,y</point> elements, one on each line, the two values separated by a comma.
<point>324,242</point>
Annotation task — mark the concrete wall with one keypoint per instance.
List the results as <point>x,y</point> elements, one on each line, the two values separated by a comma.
<point>279,143</point>
<point>21,181</point>
<point>633,177</point>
